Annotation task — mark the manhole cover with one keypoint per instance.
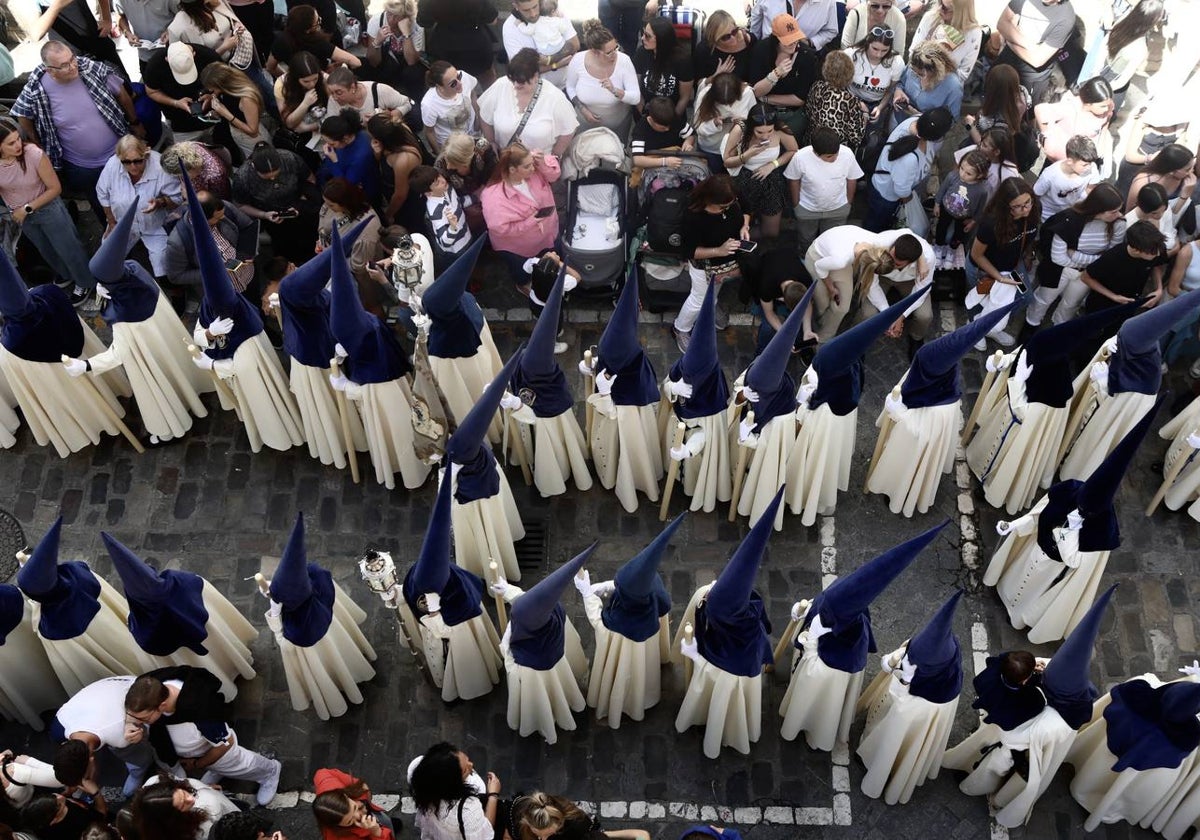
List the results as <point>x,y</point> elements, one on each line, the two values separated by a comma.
<point>531,551</point>
<point>12,540</point>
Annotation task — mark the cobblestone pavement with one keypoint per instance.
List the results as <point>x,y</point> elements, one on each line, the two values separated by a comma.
<point>208,505</point>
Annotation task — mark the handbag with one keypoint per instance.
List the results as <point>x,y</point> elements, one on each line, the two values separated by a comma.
<point>243,54</point>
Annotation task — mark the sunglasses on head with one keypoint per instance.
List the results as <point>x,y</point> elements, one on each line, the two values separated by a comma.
<point>880,32</point>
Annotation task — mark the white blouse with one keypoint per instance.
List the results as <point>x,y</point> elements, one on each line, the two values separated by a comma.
<point>551,118</point>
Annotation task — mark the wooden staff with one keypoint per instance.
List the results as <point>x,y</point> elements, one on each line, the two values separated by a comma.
<point>739,472</point>
<point>672,473</point>
<point>1169,477</point>
<point>990,377</point>
<point>519,446</point>
<point>688,634</point>
<point>264,585</point>
<point>885,431</point>
<point>589,412</point>
<point>1076,417</point>
<point>501,615</point>
<point>789,635</point>
<point>664,412</point>
<point>335,368</point>
<point>108,411</point>
<point>223,390</point>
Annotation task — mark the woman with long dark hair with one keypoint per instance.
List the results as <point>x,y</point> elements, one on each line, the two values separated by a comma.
<point>756,154</point>
<point>343,808</point>
<point>1005,103</point>
<point>1085,113</point>
<point>720,104</point>
<point>904,166</point>
<point>1173,168</point>
<point>1126,49</point>
<point>178,809</point>
<point>276,187</point>
<point>446,790</point>
<point>301,96</point>
<point>663,65</point>
<point>1072,240</point>
<point>345,204</point>
<point>303,32</point>
<point>1003,247</point>
<point>398,152</point>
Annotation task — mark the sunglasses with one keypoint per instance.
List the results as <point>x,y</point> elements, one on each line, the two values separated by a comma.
<point>728,36</point>
<point>880,32</point>
<point>133,161</point>
<point>453,83</point>
<point>880,7</point>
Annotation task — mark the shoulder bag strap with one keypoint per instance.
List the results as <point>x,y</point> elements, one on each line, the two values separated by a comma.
<point>528,111</point>
<point>462,828</point>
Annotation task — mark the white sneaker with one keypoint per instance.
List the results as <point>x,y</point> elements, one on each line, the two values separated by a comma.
<point>266,790</point>
<point>560,347</point>
<point>1002,338</point>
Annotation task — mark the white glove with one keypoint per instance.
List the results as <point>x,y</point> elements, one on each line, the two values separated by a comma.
<point>75,367</point>
<point>1110,345</point>
<point>505,590</point>
<point>679,453</point>
<point>691,650</point>
<point>510,402</point>
<point>338,382</point>
<point>604,588</point>
<point>203,361</point>
<point>1192,670</point>
<point>679,389</point>
<point>569,282</point>
<point>746,436</point>
<point>798,610</point>
<point>433,602</point>
<point>339,352</point>
<point>995,366</point>
<point>1004,527</point>
<point>1193,440</point>
<point>750,394</point>
<point>586,369</point>
<point>907,670</point>
<point>273,301</point>
<point>894,406</point>
<point>1099,373</point>
<point>604,383</point>
<point>816,629</point>
<point>583,582</point>
<point>220,326</point>
<point>102,292</point>
<point>422,322</point>
<point>1074,520</point>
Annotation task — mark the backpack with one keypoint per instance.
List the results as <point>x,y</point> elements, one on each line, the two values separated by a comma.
<point>664,219</point>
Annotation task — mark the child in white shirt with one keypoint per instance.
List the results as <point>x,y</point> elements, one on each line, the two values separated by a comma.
<point>822,179</point>
<point>445,212</point>
<point>1065,183</point>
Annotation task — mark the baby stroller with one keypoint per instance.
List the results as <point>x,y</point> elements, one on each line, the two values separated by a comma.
<point>662,201</point>
<point>595,235</point>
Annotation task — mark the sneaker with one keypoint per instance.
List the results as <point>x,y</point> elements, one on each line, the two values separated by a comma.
<point>682,339</point>
<point>560,347</point>
<point>1002,338</point>
<point>720,317</point>
<point>939,257</point>
<point>266,790</point>
<point>960,259</point>
<point>79,297</point>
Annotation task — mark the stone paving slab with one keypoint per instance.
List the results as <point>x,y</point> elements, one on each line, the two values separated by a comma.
<point>208,505</point>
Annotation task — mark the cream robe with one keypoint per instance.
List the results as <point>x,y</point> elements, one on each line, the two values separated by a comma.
<point>626,675</point>
<point>38,687</point>
<point>626,449</point>
<point>464,658</point>
<point>904,738</point>
<point>485,530</point>
<point>559,450</point>
<point>319,415</point>
<point>264,404</point>
<point>820,701</point>
<point>707,475</point>
<point>1185,491</point>
<point>1028,581</point>
<point>228,642</point>
<point>819,464</point>
<point>462,381</point>
<point>918,451</point>
<point>386,412</point>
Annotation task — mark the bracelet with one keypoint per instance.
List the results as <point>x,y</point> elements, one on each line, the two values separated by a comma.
<point>490,794</point>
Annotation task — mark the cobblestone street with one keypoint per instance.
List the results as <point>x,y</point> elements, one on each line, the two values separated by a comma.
<point>206,504</point>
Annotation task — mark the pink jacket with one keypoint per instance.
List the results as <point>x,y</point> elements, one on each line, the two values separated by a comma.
<point>511,217</point>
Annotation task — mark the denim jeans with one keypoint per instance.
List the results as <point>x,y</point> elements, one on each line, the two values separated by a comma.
<point>53,233</point>
<point>881,213</point>
<point>81,181</point>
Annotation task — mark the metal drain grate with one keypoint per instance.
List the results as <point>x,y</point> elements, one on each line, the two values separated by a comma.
<point>531,551</point>
<point>12,540</point>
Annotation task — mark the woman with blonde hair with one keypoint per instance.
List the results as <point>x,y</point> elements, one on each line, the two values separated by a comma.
<point>237,101</point>
<point>929,81</point>
<point>467,163</point>
<point>726,48</point>
<point>952,23</point>
<point>602,82</point>
<point>542,816</point>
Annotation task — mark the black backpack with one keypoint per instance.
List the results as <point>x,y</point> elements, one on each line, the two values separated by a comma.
<point>664,219</point>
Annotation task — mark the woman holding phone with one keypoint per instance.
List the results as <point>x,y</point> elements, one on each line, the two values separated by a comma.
<point>277,188</point>
<point>1003,250</point>
<point>519,208</point>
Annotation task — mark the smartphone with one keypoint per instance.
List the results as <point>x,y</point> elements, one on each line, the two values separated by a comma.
<point>196,108</point>
<point>233,264</point>
<point>289,213</point>
<point>746,246</point>
<point>1014,279</point>
<point>543,212</point>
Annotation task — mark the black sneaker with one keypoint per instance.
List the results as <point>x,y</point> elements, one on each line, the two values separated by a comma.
<point>79,297</point>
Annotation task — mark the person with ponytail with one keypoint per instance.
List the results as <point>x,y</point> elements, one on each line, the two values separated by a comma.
<point>544,816</point>
<point>904,166</point>
<point>343,808</point>
<point>450,104</point>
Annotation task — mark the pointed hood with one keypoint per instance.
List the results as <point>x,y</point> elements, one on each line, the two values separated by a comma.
<point>1048,353</point>
<point>844,607</point>
<point>457,320</point>
<point>838,363</point>
<point>621,352</point>
<point>933,375</point>
<point>304,590</point>
<point>15,300</point>
<point>375,352</point>
<point>68,592</point>
<point>468,446</point>
<point>166,610</point>
<point>536,621</point>
<point>539,350</point>
<point>1006,705</point>
<point>220,299</point>
<point>460,591</point>
<point>1137,365</point>
<point>1148,728</point>
<point>700,367</point>
<point>12,610</point>
<point>936,653</point>
<point>1100,488</point>
<point>640,598</point>
<point>732,629</point>
<point>108,263</point>
<point>304,304</point>
<point>766,373</point>
<point>1066,682</point>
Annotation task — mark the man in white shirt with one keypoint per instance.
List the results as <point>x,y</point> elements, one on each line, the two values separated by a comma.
<point>822,179</point>
<point>96,716</point>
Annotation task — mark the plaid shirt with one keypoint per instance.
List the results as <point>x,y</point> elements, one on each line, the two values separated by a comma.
<point>34,104</point>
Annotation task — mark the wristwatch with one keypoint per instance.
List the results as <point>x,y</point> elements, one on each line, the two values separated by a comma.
<point>28,209</point>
